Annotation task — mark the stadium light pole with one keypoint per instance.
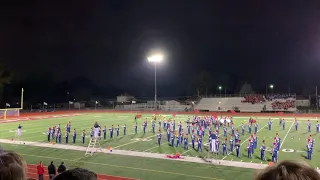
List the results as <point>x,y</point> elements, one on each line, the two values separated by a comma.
<point>220,87</point>
<point>157,58</point>
<point>271,87</point>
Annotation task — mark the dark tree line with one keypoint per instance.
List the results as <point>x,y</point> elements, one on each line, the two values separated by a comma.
<point>208,83</point>
<point>41,87</point>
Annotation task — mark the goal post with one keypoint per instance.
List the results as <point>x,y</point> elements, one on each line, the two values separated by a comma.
<point>4,113</point>
<point>12,112</point>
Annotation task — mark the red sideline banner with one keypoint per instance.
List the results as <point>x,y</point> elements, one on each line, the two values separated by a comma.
<point>240,114</point>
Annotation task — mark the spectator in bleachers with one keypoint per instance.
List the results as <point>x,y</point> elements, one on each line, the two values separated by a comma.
<point>253,98</point>
<point>278,105</point>
<point>11,166</point>
<point>257,98</point>
<point>40,170</point>
<point>62,168</point>
<point>289,170</point>
<point>77,174</point>
<point>271,97</point>
<point>52,171</point>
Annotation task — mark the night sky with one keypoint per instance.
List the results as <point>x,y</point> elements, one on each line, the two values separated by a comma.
<point>261,42</point>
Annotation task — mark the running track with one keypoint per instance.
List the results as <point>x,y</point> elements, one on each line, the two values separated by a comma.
<point>32,173</point>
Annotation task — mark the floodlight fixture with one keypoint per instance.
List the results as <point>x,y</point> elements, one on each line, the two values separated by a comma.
<point>155,58</point>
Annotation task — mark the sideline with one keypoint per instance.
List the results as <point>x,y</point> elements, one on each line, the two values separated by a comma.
<point>118,166</point>
<point>140,154</point>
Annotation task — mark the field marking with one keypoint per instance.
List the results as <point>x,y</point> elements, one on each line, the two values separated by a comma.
<point>40,130</point>
<point>286,135</point>
<point>133,142</point>
<point>39,125</point>
<point>36,124</point>
<point>118,166</point>
<point>36,119</point>
<point>246,140</point>
<point>155,146</point>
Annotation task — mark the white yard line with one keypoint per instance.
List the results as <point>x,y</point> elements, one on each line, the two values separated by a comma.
<point>286,134</point>
<point>187,151</point>
<point>246,140</point>
<point>155,146</point>
<point>46,126</point>
<point>132,142</point>
<point>44,130</point>
<point>30,122</point>
<point>130,153</point>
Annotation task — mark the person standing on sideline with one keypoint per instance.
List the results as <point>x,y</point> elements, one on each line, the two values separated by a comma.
<point>62,168</point>
<point>52,171</point>
<point>40,170</point>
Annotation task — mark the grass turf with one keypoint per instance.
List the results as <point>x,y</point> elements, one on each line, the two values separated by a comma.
<point>129,166</point>
<point>36,131</point>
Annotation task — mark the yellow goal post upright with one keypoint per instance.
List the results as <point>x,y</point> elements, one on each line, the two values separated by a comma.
<point>12,111</point>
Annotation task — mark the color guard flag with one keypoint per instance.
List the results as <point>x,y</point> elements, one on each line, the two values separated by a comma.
<point>232,111</point>
<point>44,103</point>
<point>214,116</point>
<point>7,105</point>
<point>70,102</point>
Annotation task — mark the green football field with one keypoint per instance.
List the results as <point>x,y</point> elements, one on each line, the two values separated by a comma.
<point>293,146</point>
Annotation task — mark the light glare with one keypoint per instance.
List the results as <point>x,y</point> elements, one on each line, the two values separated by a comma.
<point>155,58</point>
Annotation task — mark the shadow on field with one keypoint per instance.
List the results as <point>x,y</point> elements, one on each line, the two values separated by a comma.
<point>304,156</point>
<point>132,136</point>
<point>120,138</point>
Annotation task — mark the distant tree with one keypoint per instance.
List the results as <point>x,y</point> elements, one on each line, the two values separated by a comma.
<point>5,78</point>
<point>246,89</point>
<point>82,88</point>
<point>201,84</point>
<point>39,86</point>
<point>82,94</point>
<point>226,81</point>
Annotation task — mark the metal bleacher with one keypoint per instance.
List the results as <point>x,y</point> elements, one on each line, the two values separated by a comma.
<point>227,104</point>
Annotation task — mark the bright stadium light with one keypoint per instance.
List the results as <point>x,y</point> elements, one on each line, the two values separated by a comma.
<point>271,87</point>
<point>156,58</point>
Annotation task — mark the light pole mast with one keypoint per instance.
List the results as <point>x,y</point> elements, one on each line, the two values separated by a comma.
<point>155,59</point>
<point>155,83</point>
